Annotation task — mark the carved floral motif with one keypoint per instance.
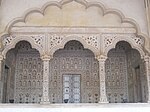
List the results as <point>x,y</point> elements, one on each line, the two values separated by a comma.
<point>8,40</point>
<point>110,38</point>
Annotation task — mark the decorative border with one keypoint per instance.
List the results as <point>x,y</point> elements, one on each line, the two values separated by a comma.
<point>49,39</point>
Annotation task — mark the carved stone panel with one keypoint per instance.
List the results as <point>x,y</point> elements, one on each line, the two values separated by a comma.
<point>28,75</point>
<point>116,76</point>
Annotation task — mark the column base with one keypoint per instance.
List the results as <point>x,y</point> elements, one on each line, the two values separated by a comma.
<point>148,101</point>
<point>44,102</point>
<point>103,100</point>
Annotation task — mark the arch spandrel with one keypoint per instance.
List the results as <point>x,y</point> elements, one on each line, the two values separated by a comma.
<point>86,40</point>
<point>10,42</point>
<point>135,42</point>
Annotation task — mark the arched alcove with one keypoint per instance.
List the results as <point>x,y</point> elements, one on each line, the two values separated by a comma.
<point>22,75</point>
<point>125,76</point>
<point>74,76</point>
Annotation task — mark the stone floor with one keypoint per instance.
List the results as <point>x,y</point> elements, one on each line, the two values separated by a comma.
<point>75,107</point>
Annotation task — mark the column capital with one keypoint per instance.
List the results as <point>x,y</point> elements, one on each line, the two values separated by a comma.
<point>46,57</point>
<point>101,58</point>
<point>1,57</point>
<point>146,58</point>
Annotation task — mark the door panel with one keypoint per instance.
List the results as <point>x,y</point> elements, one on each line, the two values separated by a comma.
<point>71,88</point>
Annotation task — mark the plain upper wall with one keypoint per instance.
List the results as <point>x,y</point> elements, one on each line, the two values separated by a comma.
<point>134,9</point>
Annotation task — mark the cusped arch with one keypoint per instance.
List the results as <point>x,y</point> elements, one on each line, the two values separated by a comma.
<point>82,2</point>
<point>131,42</point>
<point>76,38</point>
<point>17,40</point>
<point>87,4</point>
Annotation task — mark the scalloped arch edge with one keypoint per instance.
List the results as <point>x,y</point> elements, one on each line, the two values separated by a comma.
<point>87,5</point>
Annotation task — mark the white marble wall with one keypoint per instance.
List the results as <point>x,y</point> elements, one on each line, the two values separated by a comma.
<point>11,9</point>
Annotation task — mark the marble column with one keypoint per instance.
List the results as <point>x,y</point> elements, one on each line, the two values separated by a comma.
<point>147,70</point>
<point>1,62</point>
<point>103,97</point>
<point>147,9</point>
<point>45,97</point>
<point>1,81</point>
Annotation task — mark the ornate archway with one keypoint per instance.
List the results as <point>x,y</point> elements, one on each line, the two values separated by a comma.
<point>88,41</point>
<point>74,75</point>
<point>23,74</point>
<point>10,42</point>
<point>47,39</point>
<point>126,80</point>
<point>135,42</point>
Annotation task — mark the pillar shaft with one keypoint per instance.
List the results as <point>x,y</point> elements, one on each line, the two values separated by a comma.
<point>147,65</point>
<point>103,96</point>
<point>1,81</point>
<point>45,97</point>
